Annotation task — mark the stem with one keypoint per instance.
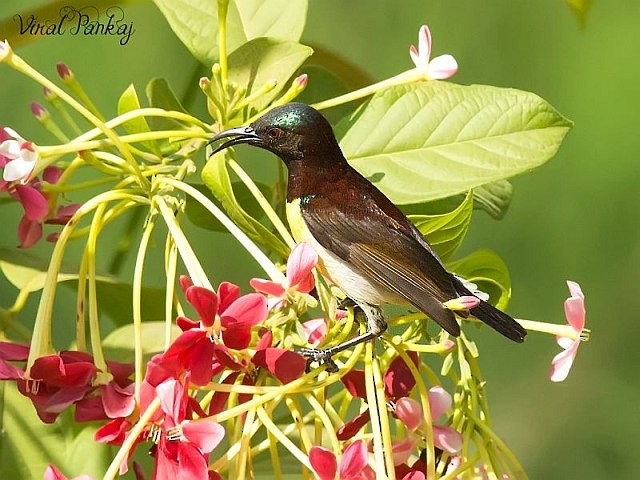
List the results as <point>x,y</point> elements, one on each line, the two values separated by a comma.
<point>282,438</point>
<point>171,267</point>
<point>130,440</point>
<point>25,68</point>
<point>94,320</point>
<point>137,307</point>
<point>41,343</point>
<point>384,419</point>
<point>404,77</point>
<point>267,265</point>
<point>223,7</point>
<point>189,258</point>
<point>263,202</point>
<point>378,442</point>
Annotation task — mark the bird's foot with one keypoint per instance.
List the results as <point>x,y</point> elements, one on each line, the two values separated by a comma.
<point>321,357</point>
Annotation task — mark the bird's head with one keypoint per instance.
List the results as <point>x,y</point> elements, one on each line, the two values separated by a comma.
<point>294,131</point>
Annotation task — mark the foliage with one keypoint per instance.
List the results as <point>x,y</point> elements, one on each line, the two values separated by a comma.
<point>436,148</point>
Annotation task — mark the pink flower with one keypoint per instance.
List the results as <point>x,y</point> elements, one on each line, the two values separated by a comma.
<point>575,312</point>
<point>439,68</point>
<point>52,473</point>
<point>184,444</point>
<point>17,156</point>
<point>410,413</point>
<point>353,465</point>
<point>299,276</point>
<point>225,321</point>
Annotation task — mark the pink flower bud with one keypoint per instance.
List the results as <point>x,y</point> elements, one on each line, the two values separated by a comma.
<point>39,111</point>
<point>64,72</point>
<point>301,81</point>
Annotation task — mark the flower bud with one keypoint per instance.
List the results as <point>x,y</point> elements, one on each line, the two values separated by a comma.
<point>39,111</point>
<point>64,72</point>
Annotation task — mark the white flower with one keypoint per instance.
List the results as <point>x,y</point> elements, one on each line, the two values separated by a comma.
<point>439,68</point>
<point>18,156</point>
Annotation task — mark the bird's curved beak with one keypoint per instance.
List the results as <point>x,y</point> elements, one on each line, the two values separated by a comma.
<point>242,135</point>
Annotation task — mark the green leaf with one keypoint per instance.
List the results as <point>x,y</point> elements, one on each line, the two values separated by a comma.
<point>119,343</point>
<point>445,232</point>
<point>195,22</point>
<point>494,197</point>
<point>216,177</point>
<point>203,218</point>
<point>128,102</point>
<point>433,139</point>
<point>263,60</point>
<point>160,95</point>
<point>487,270</point>
<point>281,19</point>
<point>28,272</point>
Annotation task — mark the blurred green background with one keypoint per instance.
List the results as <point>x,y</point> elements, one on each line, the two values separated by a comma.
<point>574,218</point>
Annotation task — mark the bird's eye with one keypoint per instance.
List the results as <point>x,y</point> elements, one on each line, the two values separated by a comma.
<point>274,133</point>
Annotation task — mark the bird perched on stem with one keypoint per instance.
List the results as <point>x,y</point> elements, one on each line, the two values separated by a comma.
<point>366,245</point>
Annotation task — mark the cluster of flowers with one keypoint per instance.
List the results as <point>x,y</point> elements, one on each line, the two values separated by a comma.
<point>17,159</point>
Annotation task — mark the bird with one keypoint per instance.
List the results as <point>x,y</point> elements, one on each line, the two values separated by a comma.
<point>365,244</point>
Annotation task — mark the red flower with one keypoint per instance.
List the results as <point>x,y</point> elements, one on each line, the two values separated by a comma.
<point>226,319</point>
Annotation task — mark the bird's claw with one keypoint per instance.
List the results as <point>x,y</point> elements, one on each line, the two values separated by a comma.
<point>321,357</point>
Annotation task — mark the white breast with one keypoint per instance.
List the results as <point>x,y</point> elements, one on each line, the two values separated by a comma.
<point>349,279</point>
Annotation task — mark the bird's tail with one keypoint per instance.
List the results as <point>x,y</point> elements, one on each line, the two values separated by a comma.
<point>496,319</point>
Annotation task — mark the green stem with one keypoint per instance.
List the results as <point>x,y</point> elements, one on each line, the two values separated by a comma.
<point>378,442</point>
<point>171,267</point>
<point>402,78</point>
<point>196,272</point>
<point>94,320</point>
<point>263,202</point>
<point>25,68</point>
<point>41,343</point>
<point>223,8</point>
<point>267,265</point>
<point>137,304</point>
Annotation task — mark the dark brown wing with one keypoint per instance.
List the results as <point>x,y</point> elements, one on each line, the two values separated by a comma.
<point>384,249</point>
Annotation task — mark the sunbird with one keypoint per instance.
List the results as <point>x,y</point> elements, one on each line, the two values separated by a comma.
<point>365,244</point>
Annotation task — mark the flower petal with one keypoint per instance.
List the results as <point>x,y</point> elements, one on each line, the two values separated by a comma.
<point>18,169</point>
<point>354,381</point>
<point>205,434</point>
<point>353,459</point>
<point>424,45</point>
<point>323,462</point>
<point>227,294</point>
<point>349,429</point>
<point>247,311</point>
<point>447,439</point>
<point>267,286</point>
<point>34,202</point>
<point>29,232</point>
<point>574,307</point>
<point>14,351</point>
<point>409,412</point>
<point>299,265</point>
<point>398,380</point>
<point>444,66</point>
<point>561,363</point>
<point>205,302</point>
<point>117,401</point>
<point>285,365</point>
<point>439,401</point>
<point>402,449</point>
<point>315,330</point>
<point>112,432</point>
